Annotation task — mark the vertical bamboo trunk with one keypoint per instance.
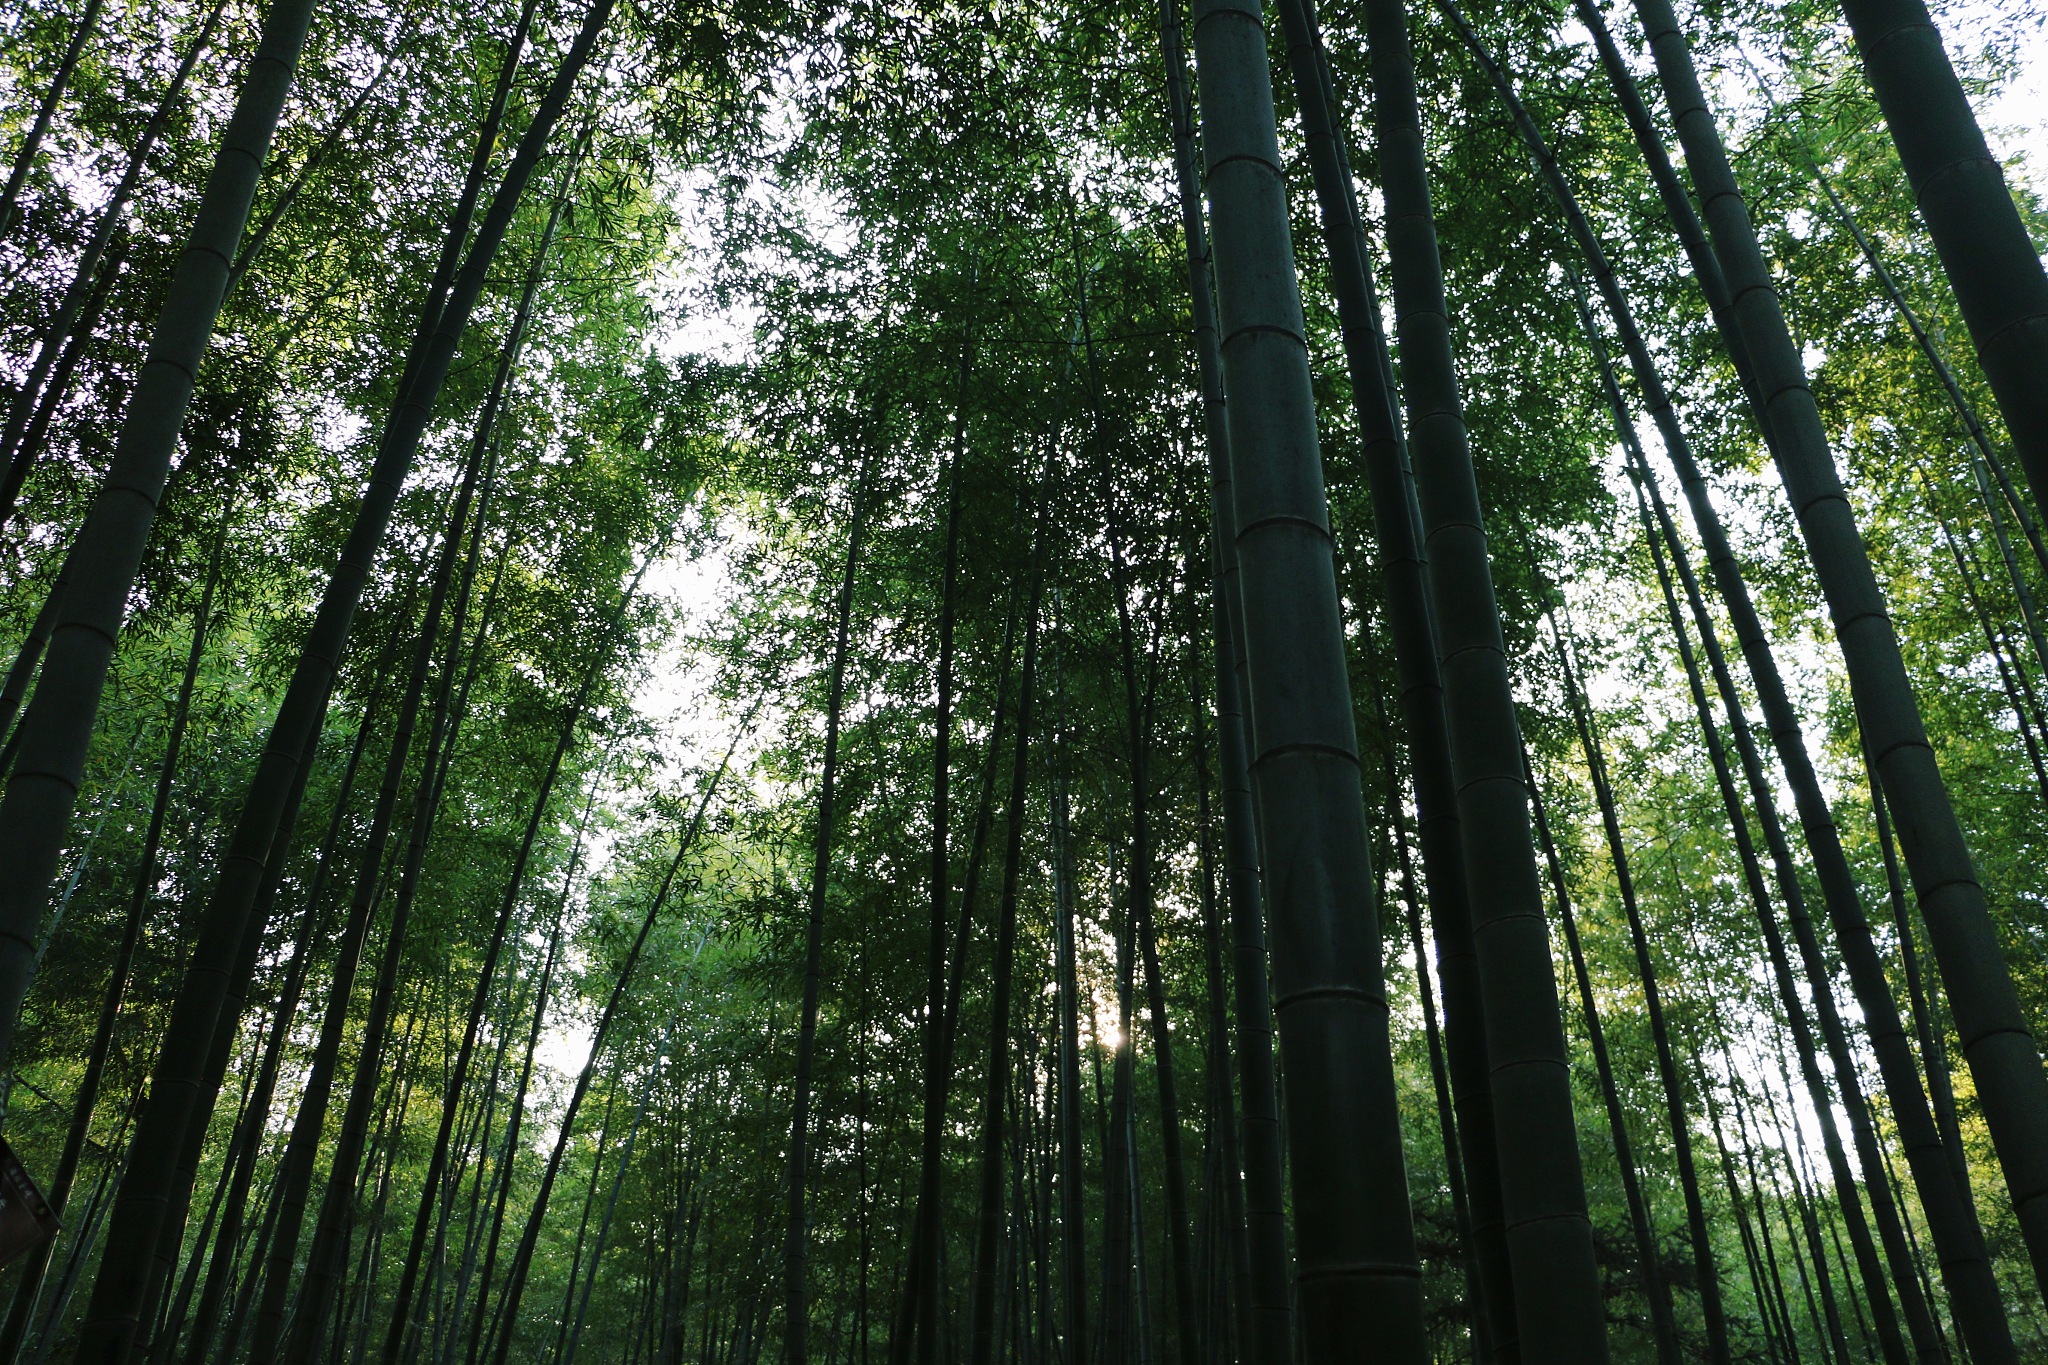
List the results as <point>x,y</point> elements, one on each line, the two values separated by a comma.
<point>57,726</point>
<point>921,1292</point>
<point>1228,1290</point>
<point>919,1319</point>
<point>604,1225</point>
<point>1964,409</point>
<point>1118,1249</point>
<point>2020,696</point>
<point>313,918</point>
<point>249,1133</point>
<point>515,1110</point>
<point>336,1216</point>
<point>22,671</point>
<point>1764,1281</point>
<point>1404,569</point>
<point>156,1263</point>
<point>1266,1312</point>
<point>2001,1051</point>
<point>796,1239</point>
<point>1663,1323</point>
<point>322,1265</point>
<point>2022,591</point>
<point>1440,1080</point>
<point>994,1117</point>
<point>1970,1269</point>
<point>1140,875</point>
<point>1359,1290</point>
<point>1813,1263</point>
<point>309,1138</point>
<point>1073,1334</point>
<point>1556,1281</point>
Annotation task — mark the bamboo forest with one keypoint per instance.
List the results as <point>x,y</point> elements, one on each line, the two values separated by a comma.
<point>945,682</point>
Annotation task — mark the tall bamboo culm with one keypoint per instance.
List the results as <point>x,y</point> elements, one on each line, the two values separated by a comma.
<point>1997,1043</point>
<point>57,726</point>
<point>1266,1318</point>
<point>1359,1285</point>
<point>1558,1307</point>
<point>1991,262</point>
<point>1405,571</point>
<point>1951,1219</point>
<point>185,1084</point>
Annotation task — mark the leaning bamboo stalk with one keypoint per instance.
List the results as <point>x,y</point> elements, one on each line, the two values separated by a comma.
<point>58,724</point>
<point>1991,261</point>
<point>185,1087</point>
<point>82,30</point>
<point>1997,1043</point>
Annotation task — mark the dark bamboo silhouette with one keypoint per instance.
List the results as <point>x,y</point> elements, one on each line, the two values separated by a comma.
<point>1766,1284</point>
<point>1073,1319</point>
<point>1224,1257</point>
<point>1926,1028</point>
<point>86,1099</point>
<point>1357,1282</point>
<point>182,1094</point>
<point>1404,570</point>
<point>796,1240</point>
<point>1265,1314</point>
<point>1139,871</point>
<point>1923,338</point>
<point>1957,1231</point>
<point>923,1317</point>
<point>1556,1282</point>
<point>21,673</point>
<point>921,1293</point>
<point>317,1284</point>
<point>995,1107</point>
<point>312,926</point>
<point>35,436</point>
<point>1991,262</point>
<point>2000,1049</point>
<point>16,455</point>
<point>58,722</point>
<point>1967,1265</point>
